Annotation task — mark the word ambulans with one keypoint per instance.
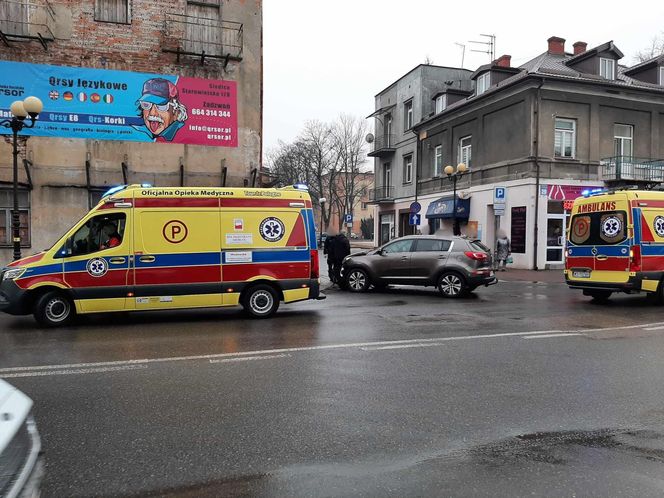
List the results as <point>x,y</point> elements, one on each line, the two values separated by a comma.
<point>615,243</point>
<point>148,249</point>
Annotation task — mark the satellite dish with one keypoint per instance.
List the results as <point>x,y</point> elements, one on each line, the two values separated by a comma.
<point>369,138</point>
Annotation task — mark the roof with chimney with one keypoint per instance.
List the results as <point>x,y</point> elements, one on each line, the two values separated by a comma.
<point>554,64</point>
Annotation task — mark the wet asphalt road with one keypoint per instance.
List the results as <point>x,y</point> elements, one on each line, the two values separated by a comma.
<point>523,389</point>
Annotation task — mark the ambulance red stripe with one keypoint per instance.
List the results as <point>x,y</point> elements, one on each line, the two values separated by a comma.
<point>580,262</point>
<point>26,283</point>
<point>614,263</point>
<point>242,272</point>
<point>178,275</point>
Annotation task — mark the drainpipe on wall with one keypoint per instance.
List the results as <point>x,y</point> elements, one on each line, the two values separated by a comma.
<point>537,173</point>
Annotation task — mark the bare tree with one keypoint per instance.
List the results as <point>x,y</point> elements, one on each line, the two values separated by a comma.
<point>656,48</point>
<point>350,148</point>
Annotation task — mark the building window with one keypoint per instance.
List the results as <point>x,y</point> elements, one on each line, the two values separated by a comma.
<point>465,150</point>
<point>441,103</point>
<point>387,175</point>
<point>623,137</point>
<point>607,68</point>
<point>365,205</point>
<point>483,83</point>
<point>565,138</point>
<point>438,161</point>
<point>6,206</point>
<point>408,168</point>
<point>408,115</point>
<point>661,76</point>
<point>204,27</point>
<point>116,11</point>
<point>14,18</point>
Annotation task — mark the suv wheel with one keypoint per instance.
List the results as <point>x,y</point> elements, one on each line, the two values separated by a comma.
<point>357,280</point>
<point>53,309</point>
<point>260,301</point>
<point>452,284</point>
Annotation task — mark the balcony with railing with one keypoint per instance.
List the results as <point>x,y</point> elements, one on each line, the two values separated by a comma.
<point>381,195</point>
<point>441,184</point>
<point>383,145</point>
<point>26,20</point>
<point>204,36</point>
<point>627,169</point>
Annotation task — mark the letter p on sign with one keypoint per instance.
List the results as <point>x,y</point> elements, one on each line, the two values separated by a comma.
<point>175,231</point>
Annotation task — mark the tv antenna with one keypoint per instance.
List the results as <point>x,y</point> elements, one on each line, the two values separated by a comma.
<point>463,52</point>
<point>489,44</point>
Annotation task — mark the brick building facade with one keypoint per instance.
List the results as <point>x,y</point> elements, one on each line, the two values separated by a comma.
<point>210,39</point>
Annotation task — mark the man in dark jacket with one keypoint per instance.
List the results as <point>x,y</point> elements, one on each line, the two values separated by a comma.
<point>328,249</point>
<point>341,248</point>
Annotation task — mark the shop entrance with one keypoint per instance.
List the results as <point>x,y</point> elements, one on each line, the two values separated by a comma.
<point>556,225</point>
<point>386,228</point>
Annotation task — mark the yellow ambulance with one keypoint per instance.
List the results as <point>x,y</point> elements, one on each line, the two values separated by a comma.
<point>148,248</point>
<point>615,243</point>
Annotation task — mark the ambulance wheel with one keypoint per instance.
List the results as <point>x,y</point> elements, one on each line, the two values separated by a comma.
<point>260,301</point>
<point>53,309</point>
<point>600,296</point>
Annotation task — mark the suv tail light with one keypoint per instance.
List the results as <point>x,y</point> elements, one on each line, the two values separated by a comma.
<point>477,256</point>
<point>635,258</point>
<point>315,273</point>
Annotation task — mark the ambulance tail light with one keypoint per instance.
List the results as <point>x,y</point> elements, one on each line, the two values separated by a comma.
<point>315,273</point>
<point>635,258</point>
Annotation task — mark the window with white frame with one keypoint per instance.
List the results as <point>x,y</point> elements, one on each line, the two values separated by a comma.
<point>408,115</point>
<point>408,168</point>
<point>465,150</point>
<point>441,103</point>
<point>607,68</point>
<point>483,83</point>
<point>661,75</point>
<point>565,138</point>
<point>6,207</point>
<point>623,139</point>
<point>438,161</point>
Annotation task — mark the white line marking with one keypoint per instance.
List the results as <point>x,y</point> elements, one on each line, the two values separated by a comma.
<point>45,373</point>
<point>401,346</point>
<point>661,327</point>
<point>251,358</point>
<point>351,345</point>
<point>547,336</point>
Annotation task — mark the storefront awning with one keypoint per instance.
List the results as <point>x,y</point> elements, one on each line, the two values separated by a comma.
<point>444,208</point>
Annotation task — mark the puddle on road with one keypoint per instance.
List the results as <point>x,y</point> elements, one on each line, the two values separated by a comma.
<point>558,447</point>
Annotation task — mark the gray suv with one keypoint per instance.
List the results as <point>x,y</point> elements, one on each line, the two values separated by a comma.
<point>455,265</point>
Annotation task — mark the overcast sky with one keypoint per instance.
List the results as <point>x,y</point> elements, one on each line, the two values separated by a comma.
<point>323,58</point>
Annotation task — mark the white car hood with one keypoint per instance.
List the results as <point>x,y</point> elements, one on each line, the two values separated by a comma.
<point>14,408</point>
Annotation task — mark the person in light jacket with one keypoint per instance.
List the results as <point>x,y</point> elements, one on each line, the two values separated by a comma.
<point>503,251</point>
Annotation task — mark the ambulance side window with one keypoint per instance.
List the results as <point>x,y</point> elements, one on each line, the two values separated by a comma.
<point>101,232</point>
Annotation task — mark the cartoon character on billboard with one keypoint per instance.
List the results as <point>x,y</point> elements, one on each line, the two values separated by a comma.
<point>162,112</point>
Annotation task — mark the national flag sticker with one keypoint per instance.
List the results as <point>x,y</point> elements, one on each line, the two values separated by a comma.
<point>68,96</point>
<point>82,97</point>
<point>108,98</point>
<point>53,94</point>
<point>238,224</point>
<point>94,98</point>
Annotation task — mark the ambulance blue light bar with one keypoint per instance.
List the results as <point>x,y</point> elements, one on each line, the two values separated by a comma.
<point>301,186</point>
<point>594,191</point>
<point>113,190</point>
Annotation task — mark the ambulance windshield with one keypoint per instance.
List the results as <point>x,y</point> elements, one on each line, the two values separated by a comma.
<point>600,228</point>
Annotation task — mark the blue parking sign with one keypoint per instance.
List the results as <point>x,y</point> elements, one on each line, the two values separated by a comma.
<point>348,218</point>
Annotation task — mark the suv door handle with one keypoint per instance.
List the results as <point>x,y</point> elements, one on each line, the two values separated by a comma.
<point>117,261</point>
<point>146,259</point>
<point>404,258</point>
<point>442,256</point>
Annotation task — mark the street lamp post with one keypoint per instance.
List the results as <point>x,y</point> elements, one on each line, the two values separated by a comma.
<point>322,201</point>
<point>20,110</point>
<point>454,176</point>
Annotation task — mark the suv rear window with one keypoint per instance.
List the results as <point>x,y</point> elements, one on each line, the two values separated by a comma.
<point>478,246</point>
<point>432,245</point>
<point>608,227</point>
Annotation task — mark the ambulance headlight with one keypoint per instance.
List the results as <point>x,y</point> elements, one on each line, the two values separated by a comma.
<point>13,273</point>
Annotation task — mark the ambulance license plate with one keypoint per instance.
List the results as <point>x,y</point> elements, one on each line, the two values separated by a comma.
<point>581,273</point>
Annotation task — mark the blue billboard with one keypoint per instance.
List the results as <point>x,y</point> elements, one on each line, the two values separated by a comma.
<point>104,104</point>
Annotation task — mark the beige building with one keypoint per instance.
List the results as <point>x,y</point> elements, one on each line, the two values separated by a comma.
<point>61,177</point>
